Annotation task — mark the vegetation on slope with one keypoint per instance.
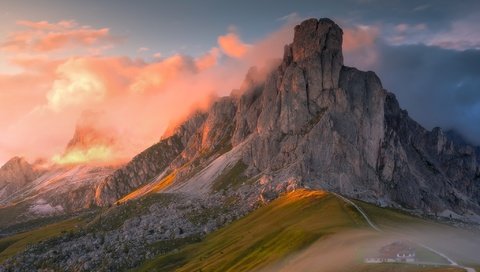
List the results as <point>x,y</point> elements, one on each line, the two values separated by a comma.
<point>233,177</point>
<point>115,216</point>
<point>279,230</point>
<point>286,225</point>
<point>12,245</point>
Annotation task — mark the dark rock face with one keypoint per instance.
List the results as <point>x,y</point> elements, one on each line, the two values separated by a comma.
<point>318,44</point>
<point>339,129</point>
<point>143,167</point>
<point>331,126</point>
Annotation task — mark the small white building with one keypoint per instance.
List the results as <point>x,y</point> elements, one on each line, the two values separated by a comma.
<point>396,252</point>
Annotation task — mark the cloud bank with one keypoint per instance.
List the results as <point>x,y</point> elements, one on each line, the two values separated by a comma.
<point>437,83</point>
<point>136,99</point>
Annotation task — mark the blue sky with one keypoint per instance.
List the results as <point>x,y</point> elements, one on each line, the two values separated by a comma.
<point>192,26</point>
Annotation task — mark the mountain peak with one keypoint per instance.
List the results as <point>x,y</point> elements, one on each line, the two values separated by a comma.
<point>17,172</point>
<point>15,162</point>
<point>317,45</point>
<point>86,136</point>
<point>311,122</point>
<point>314,37</point>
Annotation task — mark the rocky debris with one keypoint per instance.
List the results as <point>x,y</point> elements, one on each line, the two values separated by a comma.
<point>147,228</point>
<point>143,236</point>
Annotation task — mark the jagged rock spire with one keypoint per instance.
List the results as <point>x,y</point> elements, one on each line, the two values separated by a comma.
<point>318,41</point>
<point>315,37</point>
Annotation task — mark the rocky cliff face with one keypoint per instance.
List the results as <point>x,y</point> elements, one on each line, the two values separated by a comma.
<point>326,126</point>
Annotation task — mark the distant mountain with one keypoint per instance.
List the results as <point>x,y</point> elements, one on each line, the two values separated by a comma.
<point>315,123</point>
<point>29,191</point>
<point>86,136</point>
<point>15,174</point>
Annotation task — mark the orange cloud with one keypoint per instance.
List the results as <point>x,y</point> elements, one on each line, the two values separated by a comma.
<point>44,25</point>
<point>76,84</point>
<point>232,45</point>
<point>43,36</point>
<point>138,99</point>
<point>208,60</point>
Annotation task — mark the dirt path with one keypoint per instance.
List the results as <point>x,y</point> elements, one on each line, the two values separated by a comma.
<point>376,228</point>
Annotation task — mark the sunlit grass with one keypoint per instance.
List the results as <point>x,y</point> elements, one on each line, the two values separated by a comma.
<point>148,189</point>
<point>9,246</point>
<point>288,224</point>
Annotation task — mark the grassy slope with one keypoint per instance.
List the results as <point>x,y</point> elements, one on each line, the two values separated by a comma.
<point>11,213</point>
<point>271,233</point>
<point>11,245</point>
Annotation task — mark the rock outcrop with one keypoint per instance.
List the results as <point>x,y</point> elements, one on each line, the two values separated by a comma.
<point>327,126</point>
<point>144,167</point>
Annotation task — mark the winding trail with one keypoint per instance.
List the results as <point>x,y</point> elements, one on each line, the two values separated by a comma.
<point>376,228</point>
<point>360,210</point>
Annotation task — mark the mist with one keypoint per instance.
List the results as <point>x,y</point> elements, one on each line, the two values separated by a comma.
<point>346,250</point>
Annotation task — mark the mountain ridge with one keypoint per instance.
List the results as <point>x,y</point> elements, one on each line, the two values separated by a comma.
<point>333,127</point>
<point>311,122</point>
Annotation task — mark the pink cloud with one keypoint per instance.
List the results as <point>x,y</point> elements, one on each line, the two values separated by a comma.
<point>232,45</point>
<point>136,99</point>
<point>38,37</point>
<point>208,60</point>
<point>45,25</point>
